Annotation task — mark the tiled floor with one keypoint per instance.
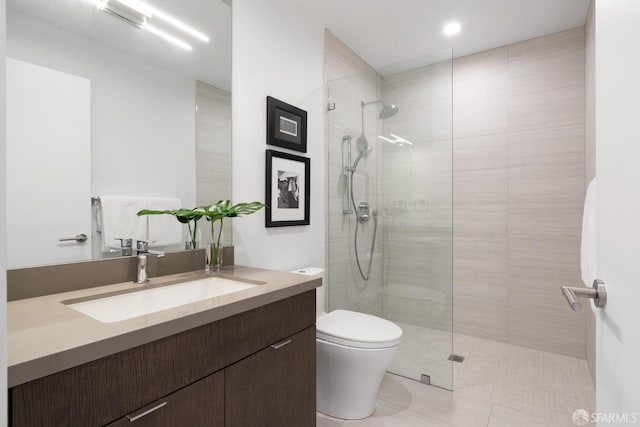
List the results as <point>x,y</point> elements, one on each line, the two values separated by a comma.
<point>424,351</point>
<point>497,385</point>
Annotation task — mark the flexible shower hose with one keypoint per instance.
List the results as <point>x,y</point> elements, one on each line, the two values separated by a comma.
<point>355,235</point>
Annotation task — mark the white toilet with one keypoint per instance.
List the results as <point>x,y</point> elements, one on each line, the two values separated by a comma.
<point>353,351</point>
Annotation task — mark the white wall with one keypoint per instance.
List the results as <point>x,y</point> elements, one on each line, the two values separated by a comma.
<point>143,118</point>
<point>590,156</point>
<point>617,61</point>
<point>277,51</point>
<point>3,206</point>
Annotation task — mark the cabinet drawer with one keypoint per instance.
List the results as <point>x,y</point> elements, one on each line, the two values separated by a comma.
<point>254,330</point>
<point>199,404</point>
<point>275,387</point>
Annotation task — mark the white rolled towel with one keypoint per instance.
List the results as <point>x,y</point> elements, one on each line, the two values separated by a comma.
<point>164,230</point>
<point>119,220</point>
<point>588,244</point>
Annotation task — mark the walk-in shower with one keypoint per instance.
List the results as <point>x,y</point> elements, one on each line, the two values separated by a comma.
<point>390,210</point>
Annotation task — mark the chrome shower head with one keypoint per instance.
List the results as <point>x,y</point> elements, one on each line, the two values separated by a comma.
<point>387,110</point>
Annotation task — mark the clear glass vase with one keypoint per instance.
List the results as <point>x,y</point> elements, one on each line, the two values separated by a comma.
<point>213,257</point>
<point>189,244</point>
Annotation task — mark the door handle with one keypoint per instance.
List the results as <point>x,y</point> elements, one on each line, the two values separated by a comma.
<point>598,293</point>
<point>78,238</point>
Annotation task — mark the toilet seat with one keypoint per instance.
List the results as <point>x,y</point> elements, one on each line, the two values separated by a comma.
<point>357,330</point>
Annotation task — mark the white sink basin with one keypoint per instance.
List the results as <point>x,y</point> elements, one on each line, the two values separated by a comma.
<point>127,306</point>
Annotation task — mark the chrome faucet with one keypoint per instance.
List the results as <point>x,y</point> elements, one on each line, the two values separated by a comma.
<point>143,250</point>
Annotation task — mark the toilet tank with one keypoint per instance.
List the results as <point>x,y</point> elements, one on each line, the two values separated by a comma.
<point>321,292</point>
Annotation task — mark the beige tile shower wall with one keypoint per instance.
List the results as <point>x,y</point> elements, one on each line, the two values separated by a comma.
<point>480,111</point>
<point>590,125</point>
<point>519,182</point>
<point>349,80</point>
<point>213,151</point>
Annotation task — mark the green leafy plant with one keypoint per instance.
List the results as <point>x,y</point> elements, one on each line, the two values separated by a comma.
<point>216,213</point>
<point>184,216</point>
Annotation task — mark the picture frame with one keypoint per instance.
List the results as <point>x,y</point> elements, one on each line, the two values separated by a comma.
<point>287,189</point>
<point>286,125</point>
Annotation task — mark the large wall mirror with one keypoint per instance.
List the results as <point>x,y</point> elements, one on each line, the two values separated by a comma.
<point>113,99</point>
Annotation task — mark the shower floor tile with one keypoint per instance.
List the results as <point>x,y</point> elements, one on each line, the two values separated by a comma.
<point>424,351</point>
<point>497,385</point>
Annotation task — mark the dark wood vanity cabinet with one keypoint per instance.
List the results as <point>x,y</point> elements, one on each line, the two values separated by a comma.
<point>256,368</point>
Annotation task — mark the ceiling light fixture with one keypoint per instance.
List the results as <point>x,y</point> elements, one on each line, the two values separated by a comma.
<point>452,28</point>
<point>168,37</point>
<point>137,5</point>
<point>180,25</point>
<point>124,12</point>
<point>138,14</point>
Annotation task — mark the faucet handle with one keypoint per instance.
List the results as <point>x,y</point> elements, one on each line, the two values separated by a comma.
<point>124,242</point>
<point>125,245</point>
<point>142,246</point>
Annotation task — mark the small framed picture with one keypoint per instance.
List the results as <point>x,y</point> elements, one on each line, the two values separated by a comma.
<point>287,189</point>
<point>286,125</point>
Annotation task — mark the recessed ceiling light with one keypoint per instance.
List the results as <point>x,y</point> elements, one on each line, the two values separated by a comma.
<point>452,28</point>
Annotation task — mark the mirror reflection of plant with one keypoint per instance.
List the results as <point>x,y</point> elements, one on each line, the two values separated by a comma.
<point>184,216</point>
<point>221,210</point>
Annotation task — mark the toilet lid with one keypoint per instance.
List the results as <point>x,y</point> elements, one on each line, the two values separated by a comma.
<point>357,330</point>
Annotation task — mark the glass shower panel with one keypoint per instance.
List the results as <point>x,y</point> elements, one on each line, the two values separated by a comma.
<point>352,128</point>
<point>407,177</point>
<point>418,227</point>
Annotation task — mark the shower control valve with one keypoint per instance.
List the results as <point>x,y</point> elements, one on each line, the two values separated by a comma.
<point>363,212</point>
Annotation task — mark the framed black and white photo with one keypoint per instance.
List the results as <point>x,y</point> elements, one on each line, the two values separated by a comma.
<point>286,125</point>
<point>287,189</point>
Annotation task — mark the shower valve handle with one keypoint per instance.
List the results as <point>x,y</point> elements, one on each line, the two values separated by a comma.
<point>363,212</point>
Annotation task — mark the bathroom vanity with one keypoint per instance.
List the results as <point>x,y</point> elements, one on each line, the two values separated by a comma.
<point>242,359</point>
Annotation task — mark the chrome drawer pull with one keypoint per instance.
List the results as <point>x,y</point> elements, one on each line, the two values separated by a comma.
<point>280,344</point>
<point>146,410</point>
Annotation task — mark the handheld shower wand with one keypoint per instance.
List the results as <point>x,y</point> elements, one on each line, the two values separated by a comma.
<point>362,210</point>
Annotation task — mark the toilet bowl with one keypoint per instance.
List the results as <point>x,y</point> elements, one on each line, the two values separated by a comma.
<point>353,351</point>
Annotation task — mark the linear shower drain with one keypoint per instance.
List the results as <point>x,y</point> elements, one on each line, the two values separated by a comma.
<point>456,358</point>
